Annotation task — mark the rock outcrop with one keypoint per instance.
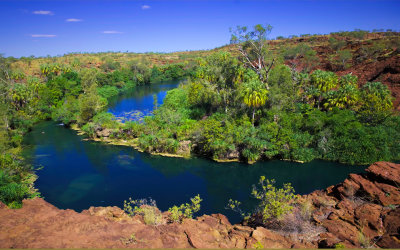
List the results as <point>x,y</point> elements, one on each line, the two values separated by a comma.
<point>362,208</point>
<point>362,211</point>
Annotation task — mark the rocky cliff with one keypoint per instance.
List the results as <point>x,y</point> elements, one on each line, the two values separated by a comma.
<point>363,211</point>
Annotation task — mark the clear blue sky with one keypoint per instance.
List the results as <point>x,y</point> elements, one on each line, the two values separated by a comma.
<point>56,27</point>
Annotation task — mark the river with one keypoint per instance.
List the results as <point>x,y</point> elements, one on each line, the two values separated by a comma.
<point>77,174</point>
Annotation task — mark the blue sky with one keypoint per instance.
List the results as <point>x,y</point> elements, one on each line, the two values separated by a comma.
<point>56,27</point>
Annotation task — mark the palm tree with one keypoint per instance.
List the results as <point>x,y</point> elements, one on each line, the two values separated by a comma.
<point>346,96</point>
<point>255,95</point>
<point>323,80</point>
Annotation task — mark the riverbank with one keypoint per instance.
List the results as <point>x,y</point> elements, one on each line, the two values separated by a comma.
<point>363,211</point>
<point>120,142</point>
<point>134,143</point>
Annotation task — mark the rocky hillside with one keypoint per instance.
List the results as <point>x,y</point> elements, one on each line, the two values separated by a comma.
<point>363,211</point>
<point>372,56</point>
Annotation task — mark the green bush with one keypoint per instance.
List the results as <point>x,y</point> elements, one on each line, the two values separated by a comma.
<point>13,189</point>
<point>105,120</point>
<point>336,44</point>
<point>177,214</point>
<point>274,203</point>
<point>145,207</point>
<point>108,91</point>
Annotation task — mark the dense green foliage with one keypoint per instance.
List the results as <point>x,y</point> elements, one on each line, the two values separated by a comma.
<point>16,178</point>
<point>226,112</point>
<point>63,92</point>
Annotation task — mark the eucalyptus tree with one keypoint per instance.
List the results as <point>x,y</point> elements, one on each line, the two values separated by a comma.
<point>88,78</point>
<point>255,95</point>
<point>253,47</point>
<point>222,72</point>
<point>90,103</point>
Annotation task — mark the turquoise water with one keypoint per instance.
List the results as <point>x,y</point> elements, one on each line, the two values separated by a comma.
<point>78,174</point>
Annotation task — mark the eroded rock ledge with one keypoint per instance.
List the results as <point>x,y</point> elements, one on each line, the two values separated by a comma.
<point>366,204</point>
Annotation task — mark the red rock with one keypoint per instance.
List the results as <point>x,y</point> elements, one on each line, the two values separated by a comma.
<point>348,189</point>
<point>346,210</point>
<point>222,219</point>
<point>371,191</point>
<point>391,194</point>
<point>270,239</point>
<point>333,216</point>
<point>328,240</point>
<point>342,230</point>
<point>388,171</point>
<point>114,213</point>
<point>369,215</point>
<point>391,224</point>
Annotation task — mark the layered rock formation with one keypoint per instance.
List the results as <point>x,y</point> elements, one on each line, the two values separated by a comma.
<point>362,211</point>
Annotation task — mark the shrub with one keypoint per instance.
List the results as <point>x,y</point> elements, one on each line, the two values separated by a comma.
<point>258,245</point>
<point>145,207</point>
<point>310,60</point>
<point>339,246</point>
<point>364,241</point>
<point>185,210</point>
<point>151,215</point>
<point>274,203</point>
<point>108,91</point>
<point>336,44</point>
<point>13,189</point>
<point>89,129</point>
<point>105,119</point>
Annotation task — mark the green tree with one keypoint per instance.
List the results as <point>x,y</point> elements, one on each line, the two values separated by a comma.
<point>344,57</point>
<point>284,89</point>
<point>177,214</point>
<point>222,71</point>
<point>88,78</point>
<point>310,60</point>
<point>336,44</point>
<point>255,95</point>
<point>90,103</point>
<point>253,47</point>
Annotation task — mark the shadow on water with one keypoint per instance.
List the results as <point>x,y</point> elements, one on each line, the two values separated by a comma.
<point>78,174</point>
